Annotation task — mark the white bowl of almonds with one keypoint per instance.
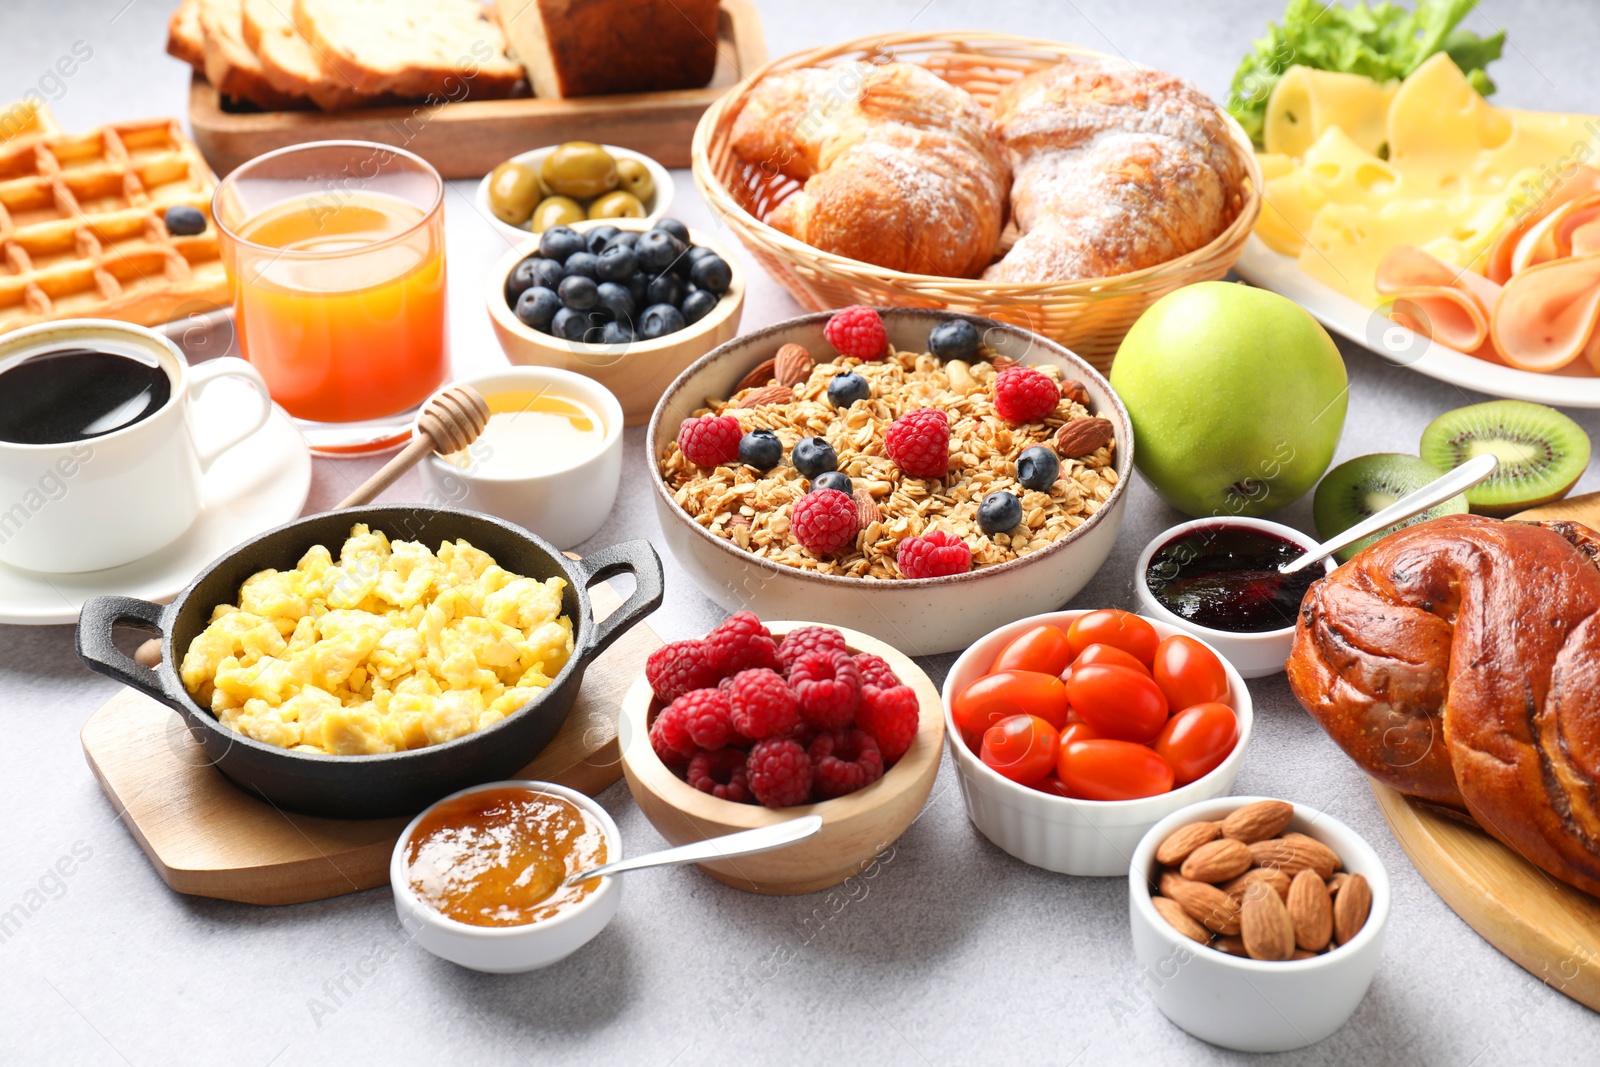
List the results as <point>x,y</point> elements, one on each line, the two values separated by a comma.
<point>1257,924</point>
<point>961,474</point>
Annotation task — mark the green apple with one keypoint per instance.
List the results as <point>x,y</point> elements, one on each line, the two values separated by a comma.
<point>1237,397</point>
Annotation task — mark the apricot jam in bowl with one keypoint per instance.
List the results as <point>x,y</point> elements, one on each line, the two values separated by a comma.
<point>477,877</point>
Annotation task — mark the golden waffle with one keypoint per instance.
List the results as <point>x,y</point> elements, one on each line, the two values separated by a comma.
<point>81,230</point>
<point>27,121</point>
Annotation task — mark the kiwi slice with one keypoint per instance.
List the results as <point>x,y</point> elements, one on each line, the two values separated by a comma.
<point>1358,489</point>
<point>1542,453</point>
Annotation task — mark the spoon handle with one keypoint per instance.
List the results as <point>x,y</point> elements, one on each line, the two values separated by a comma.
<point>1437,491</point>
<point>743,843</point>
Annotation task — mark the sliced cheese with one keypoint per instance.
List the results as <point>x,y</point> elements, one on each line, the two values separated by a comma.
<point>1335,170</point>
<point>1307,103</point>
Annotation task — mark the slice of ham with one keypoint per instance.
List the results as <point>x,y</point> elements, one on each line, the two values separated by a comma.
<point>1449,304</point>
<point>1584,181</point>
<point>1551,237</point>
<point>1549,314</point>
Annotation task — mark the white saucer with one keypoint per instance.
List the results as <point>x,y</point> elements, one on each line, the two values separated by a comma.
<point>257,484</point>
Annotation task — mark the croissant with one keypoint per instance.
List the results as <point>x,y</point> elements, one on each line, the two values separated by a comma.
<point>901,169</point>
<point>1458,661</point>
<point>1117,169</point>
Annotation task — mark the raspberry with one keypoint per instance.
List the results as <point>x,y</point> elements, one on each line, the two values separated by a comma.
<point>919,443</point>
<point>828,686</point>
<point>705,714</point>
<point>933,555</point>
<point>875,670</point>
<point>710,440</point>
<point>805,639</point>
<point>761,704</point>
<point>890,715</point>
<point>843,761</point>
<point>857,331</point>
<point>779,772</point>
<point>1022,394</point>
<point>824,522</point>
<point>740,643</point>
<point>721,773</point>
<point>670,732</point>
<point>666,754</point>
<point>680,667</point>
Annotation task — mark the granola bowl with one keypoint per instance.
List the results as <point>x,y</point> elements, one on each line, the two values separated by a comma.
<point>728,526</point>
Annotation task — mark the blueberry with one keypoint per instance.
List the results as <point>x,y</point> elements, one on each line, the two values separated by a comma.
<point>697,305</point>
<point>617,301</point>
<point>617,333</point>
<point>845,389</point>
<point>657,250</point>
<point>623,239</point>
<point>999,512</point>
<point>522,278</point>
<point>674,227</point>
<point>665,289</point>
<point>570,325</point>
<point>954,339</point>
<point>579,293</point>
<point>760,449</point>
<point>537,306</point>
<point>659,320</point>
<point>617,263</point>
<point>639,286</point>
<point>184,221</point>
<point>1037,468</point>
<point>586,264</point>
<point>833,480</point>
<point>711,273</point>
<point>814,456</point>
<point>595,240</point>
<point>699,252</point>
<point>559,242</point>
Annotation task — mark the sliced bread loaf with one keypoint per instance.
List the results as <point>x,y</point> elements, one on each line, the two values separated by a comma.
<point>445,48</point>
<point>590,47</point>
<point>231,67</point>
<point>289,62</point>
<point>185,38</point>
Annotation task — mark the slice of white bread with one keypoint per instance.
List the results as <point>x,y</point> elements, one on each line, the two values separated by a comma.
<point>592,47</point>
<point>446,48</point>
<point>185,39</point>
<point>231,67</point>
<point>289,62</point>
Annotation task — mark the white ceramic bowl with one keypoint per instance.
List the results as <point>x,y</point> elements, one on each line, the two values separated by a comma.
<point>1253,655</point>
<point>1255,1005</point>
<point>565,506</point>
<point>922,616</point>
<point>657,209</point>
<point>1083,837</point>
<point>509,949</point>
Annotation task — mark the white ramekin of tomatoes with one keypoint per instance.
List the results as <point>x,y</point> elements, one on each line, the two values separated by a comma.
<point>1075,732</point>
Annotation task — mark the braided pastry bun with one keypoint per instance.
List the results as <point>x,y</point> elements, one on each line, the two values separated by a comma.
<point>1117,169</point>
<point>1458,661</point>
<point>901,169</point>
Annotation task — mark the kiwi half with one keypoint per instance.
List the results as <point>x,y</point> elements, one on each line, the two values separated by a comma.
<point>1358,489</point>
<point>1542,453</point>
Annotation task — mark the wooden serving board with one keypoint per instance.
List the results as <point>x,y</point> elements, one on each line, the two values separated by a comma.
<point>469,139</point>
<point>1544,925</point>
<point>207,837</point>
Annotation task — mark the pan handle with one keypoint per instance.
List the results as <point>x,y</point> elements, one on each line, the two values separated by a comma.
<point>631,557</point>
<point>102,656</point>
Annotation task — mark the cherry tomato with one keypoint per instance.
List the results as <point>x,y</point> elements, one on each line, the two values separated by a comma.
<point>1197,739</point>
<point>1189,673</point>
<point>1021,747</point>
<point>1109,626</point>
<point>1109,654</point>
<point>1112,770</point>
<point>1117,701</point>
<point>1043,648</point>
<point>995,696</point>
<point>1052,785</point>
<point>1078,731</point>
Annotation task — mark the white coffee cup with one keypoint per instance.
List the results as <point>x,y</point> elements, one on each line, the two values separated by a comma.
<point>108,500</point>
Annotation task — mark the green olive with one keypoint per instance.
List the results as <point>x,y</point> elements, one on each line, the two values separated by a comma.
<point>513,191</point>
<point>617,205</point>
<point>556,211</point>
<point>636,179</point>
<point>579,169</point>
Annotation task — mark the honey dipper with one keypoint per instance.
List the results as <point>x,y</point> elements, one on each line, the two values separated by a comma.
<point>451,421</point>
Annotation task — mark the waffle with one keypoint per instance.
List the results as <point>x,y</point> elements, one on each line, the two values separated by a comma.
<point>81,227</point>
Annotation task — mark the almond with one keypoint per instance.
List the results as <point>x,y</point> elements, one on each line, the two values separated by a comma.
<point>1311,911</point>
<point>1075,391</point>
<point>1339,878</point>
<point>1265,925</point>
<point>1001,363</point>
<point>1233,946</point>
<point>1184,840</point>
<point>867,511</point>
<point>1258,821</point>
<point>1294,853</point>
<point>1080,437</point>
<point>1351,906</point>
<point>792,365</point>
<point>761,375</point>
<point>1179,919</point>
<point>1206,904</point>
<point>1217,861</point>
<point>772,394</point>
<point>739,520</point>
<point>1267,875</point>
<point>1302,954</point>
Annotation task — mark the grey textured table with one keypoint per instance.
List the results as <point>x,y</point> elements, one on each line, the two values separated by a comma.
<point>954,953</point>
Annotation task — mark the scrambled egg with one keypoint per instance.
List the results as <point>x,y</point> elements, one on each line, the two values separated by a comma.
<point>391,648</point>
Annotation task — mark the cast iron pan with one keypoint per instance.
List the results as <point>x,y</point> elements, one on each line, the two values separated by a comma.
<point>399,783</point>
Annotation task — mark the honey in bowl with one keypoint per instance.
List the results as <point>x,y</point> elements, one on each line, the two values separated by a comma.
<point>497,857</point>
<point>532,432</point>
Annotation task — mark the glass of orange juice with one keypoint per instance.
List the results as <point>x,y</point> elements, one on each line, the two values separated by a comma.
<point>336,254</point>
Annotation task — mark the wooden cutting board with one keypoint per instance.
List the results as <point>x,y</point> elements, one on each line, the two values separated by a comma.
<point>207,837</point>
<point>1545,926</point>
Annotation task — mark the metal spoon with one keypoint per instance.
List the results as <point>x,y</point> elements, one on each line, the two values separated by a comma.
<point>1437,491</point>
<point>743,843</point>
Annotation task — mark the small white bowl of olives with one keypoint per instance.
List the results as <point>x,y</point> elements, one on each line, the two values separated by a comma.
<point>566,183</point>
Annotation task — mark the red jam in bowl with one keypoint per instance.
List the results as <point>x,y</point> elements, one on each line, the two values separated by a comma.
<point>1225,577</point>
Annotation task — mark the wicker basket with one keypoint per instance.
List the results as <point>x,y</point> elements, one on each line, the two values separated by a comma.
<point>1089,316</point>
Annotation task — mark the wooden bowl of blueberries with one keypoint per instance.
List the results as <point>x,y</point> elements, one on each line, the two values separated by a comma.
<point>627,302</point>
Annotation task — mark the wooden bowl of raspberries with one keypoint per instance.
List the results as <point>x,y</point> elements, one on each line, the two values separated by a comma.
<point>758,723</point>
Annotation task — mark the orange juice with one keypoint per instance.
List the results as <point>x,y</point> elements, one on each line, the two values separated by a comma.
<point>346,319</point>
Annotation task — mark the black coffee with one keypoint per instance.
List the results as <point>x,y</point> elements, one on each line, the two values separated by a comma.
<point>77,393</point>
